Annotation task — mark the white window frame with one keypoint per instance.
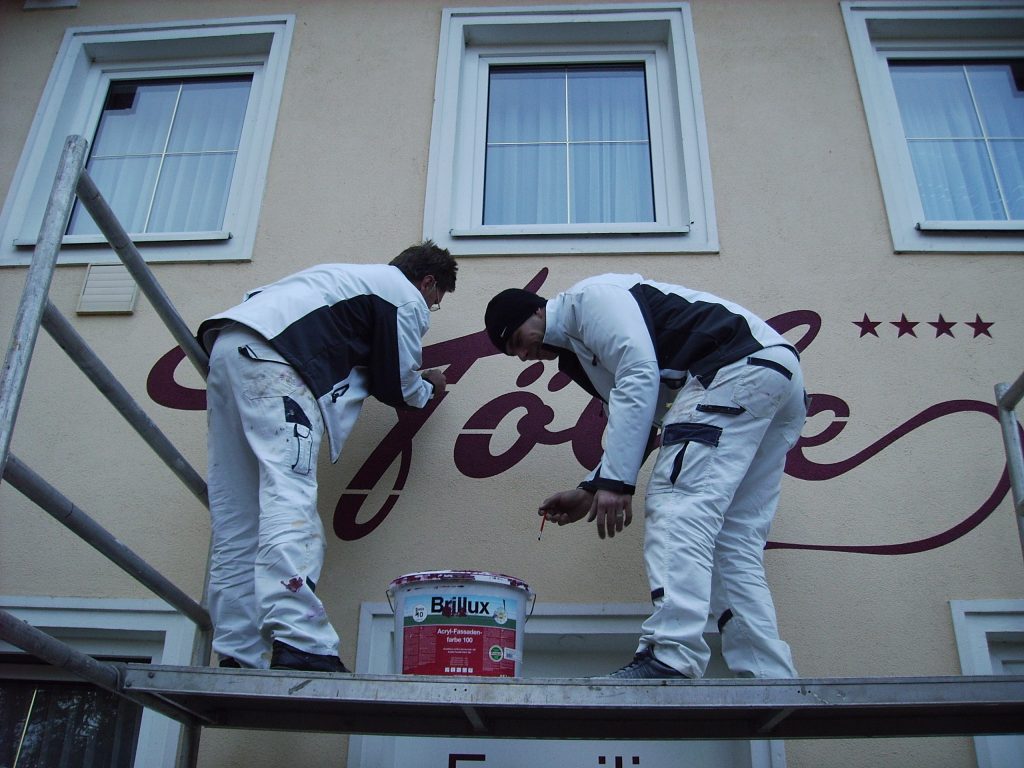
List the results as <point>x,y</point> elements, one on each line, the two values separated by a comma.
<point>660,35</point>
<point>115,627</point>
<point>88,59</point>
<point>977,624</point>
<point>926,30</point>
<point>612,627</point>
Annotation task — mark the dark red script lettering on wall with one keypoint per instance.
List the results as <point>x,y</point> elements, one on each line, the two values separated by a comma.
<point>472,451</point>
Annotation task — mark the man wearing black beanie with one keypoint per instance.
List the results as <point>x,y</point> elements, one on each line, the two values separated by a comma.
<point>727,392</point>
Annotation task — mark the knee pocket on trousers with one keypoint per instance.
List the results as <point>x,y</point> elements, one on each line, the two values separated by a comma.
<point>684,458</point>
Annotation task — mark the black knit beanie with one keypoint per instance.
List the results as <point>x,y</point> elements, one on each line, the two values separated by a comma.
<point>507,311</point>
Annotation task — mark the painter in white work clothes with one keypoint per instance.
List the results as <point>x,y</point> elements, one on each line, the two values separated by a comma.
<point>727,392</point>
<point>294,359</point>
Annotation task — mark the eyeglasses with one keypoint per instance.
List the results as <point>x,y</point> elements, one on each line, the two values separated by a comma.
<point>438,295</point>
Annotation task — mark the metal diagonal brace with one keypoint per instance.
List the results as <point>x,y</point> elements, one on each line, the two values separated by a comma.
<point>90,364</point>
<point>65,512</point>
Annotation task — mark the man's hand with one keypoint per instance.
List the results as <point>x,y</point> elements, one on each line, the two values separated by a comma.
<point>612,511</point>
<point>436,378</point>
<point>567,507</point>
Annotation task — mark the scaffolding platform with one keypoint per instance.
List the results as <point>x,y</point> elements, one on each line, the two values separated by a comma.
<point>586,708</point>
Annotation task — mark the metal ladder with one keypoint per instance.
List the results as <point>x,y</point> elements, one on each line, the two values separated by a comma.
<point>200,696</point>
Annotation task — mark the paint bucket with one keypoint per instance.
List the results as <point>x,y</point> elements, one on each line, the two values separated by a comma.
<point>457,623</point>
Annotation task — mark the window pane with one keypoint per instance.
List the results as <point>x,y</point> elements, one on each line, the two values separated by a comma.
<point>149,156</point>
<point>127,186</point>
<point>66,725</point>
<point>611,183</point>
<point>192,193</point>
<point>135,119</point>
<point>935,101</point>
<point>955,180</point>
<point>1009,156</point>
<point>210,116</point>
<point>525,185</point>
<point>14,705</point>
<point>961,120</point>
<point>547,166</point>
<point>1000,99</point>
<point>607,105</point>
<point>526,104</point>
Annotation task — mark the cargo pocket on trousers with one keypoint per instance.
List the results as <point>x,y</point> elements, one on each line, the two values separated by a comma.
<point>303,433</point>
<point>683,457</point>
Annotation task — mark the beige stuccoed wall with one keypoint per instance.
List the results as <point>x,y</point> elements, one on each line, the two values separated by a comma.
<point>802,226</point>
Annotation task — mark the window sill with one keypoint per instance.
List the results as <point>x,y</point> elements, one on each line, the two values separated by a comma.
<point>971,226</point>
<point>570,230</point>
<point>156,237</point>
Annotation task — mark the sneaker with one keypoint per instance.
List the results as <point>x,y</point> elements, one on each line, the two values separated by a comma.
<point>645,666</point>
<point>289,657</point>
<point>227,661</point>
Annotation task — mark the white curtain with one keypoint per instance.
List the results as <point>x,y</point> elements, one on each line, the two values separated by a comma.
<point>164,154</point>
<point>567,145</point>
<point>964,126</point>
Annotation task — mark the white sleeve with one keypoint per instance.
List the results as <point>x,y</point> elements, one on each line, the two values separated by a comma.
<point>610,324</point>
<point>413,322</point>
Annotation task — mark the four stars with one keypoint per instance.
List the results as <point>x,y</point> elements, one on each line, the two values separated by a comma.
<point>905,327</point>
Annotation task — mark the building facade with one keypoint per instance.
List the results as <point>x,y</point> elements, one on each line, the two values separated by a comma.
<point>851,171</point>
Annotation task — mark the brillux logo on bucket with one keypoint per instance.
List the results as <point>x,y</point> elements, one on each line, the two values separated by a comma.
<point>459,634</point>
<point>461,607</point>
<point>470,609</point>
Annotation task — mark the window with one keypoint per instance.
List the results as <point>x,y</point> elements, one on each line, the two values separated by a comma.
<point>560,640</point>
<point>57,724</point>
<point>964,125</point>
<point>164,153</point>
<point>990,641</point>
<point>569,131</point>
<point>943,90</point>
<point>180,119</point>
<point>45,712</point>
<point>567,145</point>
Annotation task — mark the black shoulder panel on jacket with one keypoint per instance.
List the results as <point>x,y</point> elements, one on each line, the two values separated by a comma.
<point>326,344</point>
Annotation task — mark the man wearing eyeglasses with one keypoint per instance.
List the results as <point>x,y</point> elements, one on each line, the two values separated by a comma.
<point>295,359</point>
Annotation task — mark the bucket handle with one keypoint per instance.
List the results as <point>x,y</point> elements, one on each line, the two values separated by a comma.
<point>533,604</point>
<point>391,605</point>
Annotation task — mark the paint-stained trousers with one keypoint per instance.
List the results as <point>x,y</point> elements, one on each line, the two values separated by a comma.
<point>710,501</point>
<point>268,545</point>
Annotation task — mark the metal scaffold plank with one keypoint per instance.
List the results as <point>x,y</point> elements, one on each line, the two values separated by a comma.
<point>589,708</point>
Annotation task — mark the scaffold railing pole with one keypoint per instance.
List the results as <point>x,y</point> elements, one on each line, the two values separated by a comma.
<point>1008,397</point>
<point>37,287</point>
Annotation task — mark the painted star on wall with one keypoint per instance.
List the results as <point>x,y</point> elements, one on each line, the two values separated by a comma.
<point>980,327</point>
<point>904,326</point>
<point>867,325</point>
<point>942,326</point>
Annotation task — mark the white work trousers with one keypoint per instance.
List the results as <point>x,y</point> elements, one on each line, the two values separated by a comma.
<point>710,502</point>
<point>265,429</point>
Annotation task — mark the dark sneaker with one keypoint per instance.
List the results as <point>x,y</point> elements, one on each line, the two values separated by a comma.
<point>227,661</point>
<point>645,667</point>
<point>288,657</point>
